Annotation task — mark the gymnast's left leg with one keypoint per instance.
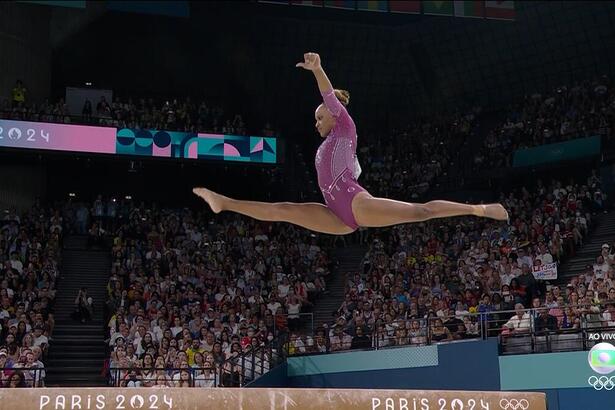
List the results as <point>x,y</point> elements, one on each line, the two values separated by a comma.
<point>374,212</point>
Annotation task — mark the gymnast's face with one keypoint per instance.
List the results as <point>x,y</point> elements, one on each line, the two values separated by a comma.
<point>324,120</point>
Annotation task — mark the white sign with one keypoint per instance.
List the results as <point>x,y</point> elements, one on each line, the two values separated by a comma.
<point>76,96</point>
<point>548,271</point>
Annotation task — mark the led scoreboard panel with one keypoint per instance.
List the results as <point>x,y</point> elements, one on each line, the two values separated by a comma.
<point>148,143</point>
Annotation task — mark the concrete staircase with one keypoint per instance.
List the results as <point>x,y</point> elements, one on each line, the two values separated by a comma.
<point>77,352</point>
<point>603,233</point>
<point>349,259</point>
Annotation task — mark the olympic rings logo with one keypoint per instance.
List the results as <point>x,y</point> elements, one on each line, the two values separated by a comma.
<point>514,404</point>
<point>602,382</point>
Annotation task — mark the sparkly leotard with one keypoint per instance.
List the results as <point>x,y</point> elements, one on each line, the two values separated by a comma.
<point>336,162</point>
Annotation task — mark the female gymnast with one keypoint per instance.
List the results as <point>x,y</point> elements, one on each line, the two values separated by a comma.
<point>348,205</point>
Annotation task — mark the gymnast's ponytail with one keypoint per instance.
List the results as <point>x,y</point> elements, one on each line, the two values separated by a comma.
<point>343,96</point>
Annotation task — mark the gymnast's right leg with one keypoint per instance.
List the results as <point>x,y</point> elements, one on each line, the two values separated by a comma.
<point>313,216</point>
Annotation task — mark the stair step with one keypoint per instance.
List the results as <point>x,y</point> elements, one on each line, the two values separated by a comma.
<point>59,383</point>
<point>77,380</point>
<point>67,339</point>
<point>96,332</point>
<point>604,232</point>
<point>87,354</point>
<point>75,362</point>
<point>78,343</point>
<point>77,351</point>
<point>72,370</point>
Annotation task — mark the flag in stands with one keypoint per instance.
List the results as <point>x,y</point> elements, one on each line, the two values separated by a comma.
<point>372,5</point>
<point>439,8</point>
<point>341,4</point>
<point>470,8</point>
<point>405,6</point>
<point>502,10</point>
<point>314,3</point>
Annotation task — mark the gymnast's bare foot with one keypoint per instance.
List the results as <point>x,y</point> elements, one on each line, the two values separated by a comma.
<point>493,211</point>
<point>215,201</point>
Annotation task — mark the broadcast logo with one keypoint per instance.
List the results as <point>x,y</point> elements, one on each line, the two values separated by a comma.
<point>601,359</point>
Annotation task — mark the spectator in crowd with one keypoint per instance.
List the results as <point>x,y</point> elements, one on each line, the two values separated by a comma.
<point>439,332</point>
<point>86,111</point>
<point>520,322</point>
<point>568,112</point>
<point>18,94</point>
<point>167,114</point>
<point>180,287</point>
<point>360,340</point>
<point>84,306</point>
<point>29,257</point>
<point>544,322</point>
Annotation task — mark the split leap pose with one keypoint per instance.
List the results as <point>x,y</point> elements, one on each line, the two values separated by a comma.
<point>348,205</point>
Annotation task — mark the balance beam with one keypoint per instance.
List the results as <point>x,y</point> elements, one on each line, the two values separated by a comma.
<point>167,398</point>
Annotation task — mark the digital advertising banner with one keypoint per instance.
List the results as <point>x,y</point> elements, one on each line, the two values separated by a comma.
<point>560,151</point>
<point>147,143</point>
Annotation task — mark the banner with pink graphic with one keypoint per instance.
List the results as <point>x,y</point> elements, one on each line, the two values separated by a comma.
<point>59,137</point>
<point>126,141</point>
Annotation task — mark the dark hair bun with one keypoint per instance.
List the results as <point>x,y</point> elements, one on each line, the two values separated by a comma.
<point>343,96</point>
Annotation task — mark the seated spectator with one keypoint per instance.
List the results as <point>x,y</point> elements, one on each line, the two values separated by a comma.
<point>86,112</point>
<point>520,322</point>
<point>340,340</point>
<point>320,342</point>
<point>360,340</point>
<point>544,322</point>
<point>417,334</point>
<point>16,380</point>
<point>608,317</point>
<point>454,325</point>
<point>440,333</point>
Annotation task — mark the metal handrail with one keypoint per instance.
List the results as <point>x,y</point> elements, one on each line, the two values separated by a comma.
<point>31,376</point>
<point>235,371</point>
<point>482,322</point>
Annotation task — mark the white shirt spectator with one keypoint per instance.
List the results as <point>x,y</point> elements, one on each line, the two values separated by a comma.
<point>41,340</point>
<point>153,255</point>
<point>609,318</point>
<point>283,289</point>
<point>525,260</point>
<point>519,323</point>
<point>17,265</point>
<point>507,277</point>
<point>293,310</point>
<point>206,379</point>
<point>545,258</point>
<point>600,271</point>
<point>273,306</point>
<point>299,345</point>
<point>341,342</point>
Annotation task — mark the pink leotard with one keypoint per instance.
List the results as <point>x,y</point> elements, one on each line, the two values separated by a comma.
<point>336,162</point>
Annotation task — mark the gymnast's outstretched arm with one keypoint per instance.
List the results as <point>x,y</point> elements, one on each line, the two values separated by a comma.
<point>312,63</point>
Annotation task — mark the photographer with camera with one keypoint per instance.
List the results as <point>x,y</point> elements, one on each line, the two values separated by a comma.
<point>84,306</point>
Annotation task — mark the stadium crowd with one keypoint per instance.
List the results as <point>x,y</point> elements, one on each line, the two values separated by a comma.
<point>404,163</point>
<point>171,114</point>
<point>193,301</point>
<point>440,280</point>
<point>568,112</point>
<point>29,269</point>
<point>202,300</point>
